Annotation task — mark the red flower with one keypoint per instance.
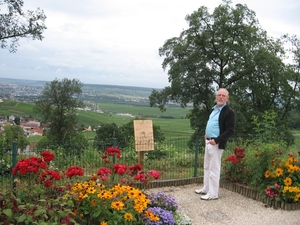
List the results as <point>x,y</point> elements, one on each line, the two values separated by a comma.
<point>103,171</point>
<point>112,152</point>
<point>135,169</point>
<point>232,159</point>
<point>154,174</point>
<point>74,171</point>
<point>239,152</point>
<point>48,156</point>
<point>120,169</point>
<point>47,183</point>
<point>141,177</point>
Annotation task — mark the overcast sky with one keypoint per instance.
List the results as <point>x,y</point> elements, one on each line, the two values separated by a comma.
<point>116,42</point>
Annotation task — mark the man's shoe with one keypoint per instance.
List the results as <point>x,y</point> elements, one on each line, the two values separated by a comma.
<point>208,197</point>
<point>200,191</point>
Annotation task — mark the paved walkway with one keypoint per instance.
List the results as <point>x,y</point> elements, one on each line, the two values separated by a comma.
<point>230,209</point>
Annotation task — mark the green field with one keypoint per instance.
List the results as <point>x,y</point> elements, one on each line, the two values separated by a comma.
<point>172,121</point>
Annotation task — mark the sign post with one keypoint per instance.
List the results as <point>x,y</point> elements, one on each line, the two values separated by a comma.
<point>143,138</point>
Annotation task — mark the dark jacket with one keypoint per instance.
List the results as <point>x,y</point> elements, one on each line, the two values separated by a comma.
<point>227,126</point>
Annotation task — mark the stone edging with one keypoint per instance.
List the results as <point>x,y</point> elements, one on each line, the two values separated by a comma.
<point>254,194</point>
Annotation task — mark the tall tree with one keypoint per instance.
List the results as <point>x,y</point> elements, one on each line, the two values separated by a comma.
<point>225,49</point>
<point>18,24</point>
<point>57,105</point>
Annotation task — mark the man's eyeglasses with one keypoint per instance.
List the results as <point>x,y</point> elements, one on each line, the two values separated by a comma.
<point>219,95</point>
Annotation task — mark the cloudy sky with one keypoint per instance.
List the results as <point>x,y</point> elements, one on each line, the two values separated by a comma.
<point>116,42</point>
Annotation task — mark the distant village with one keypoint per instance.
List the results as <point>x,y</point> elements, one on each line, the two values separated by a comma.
<point>30,126</point>
<point>33,127</point>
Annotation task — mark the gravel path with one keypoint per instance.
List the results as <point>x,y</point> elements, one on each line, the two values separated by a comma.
<point>231,208</point>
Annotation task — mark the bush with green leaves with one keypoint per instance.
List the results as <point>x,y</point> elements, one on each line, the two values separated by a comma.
<point>44,212</point>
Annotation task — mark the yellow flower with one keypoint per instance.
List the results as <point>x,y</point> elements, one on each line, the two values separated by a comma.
<point>267,173</point>
<point>94,176</point>
<point>81,196</point>
<point>117,205</point>
<point>103,223</point>
<point>292,160</point>
<point>91,190</point>
<point>288,181</point>
<point>290,168</point>
<point>139,208</point>
<point>105,194</point>
<point>128,216</point>
<point>279,172</point>
<point>151,216</point>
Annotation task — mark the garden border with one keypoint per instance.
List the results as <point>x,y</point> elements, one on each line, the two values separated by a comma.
<point>231,186</point>
<point>255,195</point>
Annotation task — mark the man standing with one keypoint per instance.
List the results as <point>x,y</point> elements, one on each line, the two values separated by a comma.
<point>220,127</point>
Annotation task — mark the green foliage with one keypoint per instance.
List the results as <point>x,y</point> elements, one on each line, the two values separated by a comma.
<point>5,165</point>
<point>282,178</point>
<point>50,212</point>
<point>13,133</point>
<point>72,147</point>
<point>228,48</point>
<point>258,160</point>
<point>105,136</point>
<point>19,24</point>
<point>268,129</point>
<point>264,165</point>
<point>234,166</point>
<point>57,105</point>
<point>107,133</point>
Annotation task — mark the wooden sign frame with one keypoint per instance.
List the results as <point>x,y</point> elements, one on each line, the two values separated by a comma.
<point>143,135</point>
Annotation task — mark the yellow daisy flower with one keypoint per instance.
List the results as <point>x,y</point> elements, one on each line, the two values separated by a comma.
<point>128,216</point>
<point>279,172</point>
<point>288,181</point>
<point>117,205</point>
<point>267,173</point>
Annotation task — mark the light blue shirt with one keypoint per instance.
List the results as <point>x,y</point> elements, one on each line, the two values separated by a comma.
<point>212,126</point>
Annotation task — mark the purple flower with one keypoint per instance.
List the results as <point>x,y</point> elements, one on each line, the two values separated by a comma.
<point>166,217</point>
<point>162,200</point>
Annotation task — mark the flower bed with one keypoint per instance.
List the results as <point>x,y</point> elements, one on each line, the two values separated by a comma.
<point>67,197</point>
<point>264,173</point>
<point>255,195</point>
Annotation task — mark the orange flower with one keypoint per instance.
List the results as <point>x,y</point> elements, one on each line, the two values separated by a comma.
<point>103,223</point>
<point>94,202</point>
<point>128,216</point>
<point>279,172</point>
<point>288,181</point>
<point>117,205</point>
<point>267,173</point>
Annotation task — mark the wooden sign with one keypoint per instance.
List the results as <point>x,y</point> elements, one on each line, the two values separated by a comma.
<point>143,135</point>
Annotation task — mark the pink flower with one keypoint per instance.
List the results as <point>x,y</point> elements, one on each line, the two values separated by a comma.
<point>154,174</point>
<point>277,186</point>
<point>103,171</point>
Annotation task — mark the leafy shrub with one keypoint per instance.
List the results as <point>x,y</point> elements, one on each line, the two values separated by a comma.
<point>274,173</point>
<point>234,166</point>
<point>282,178</point>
